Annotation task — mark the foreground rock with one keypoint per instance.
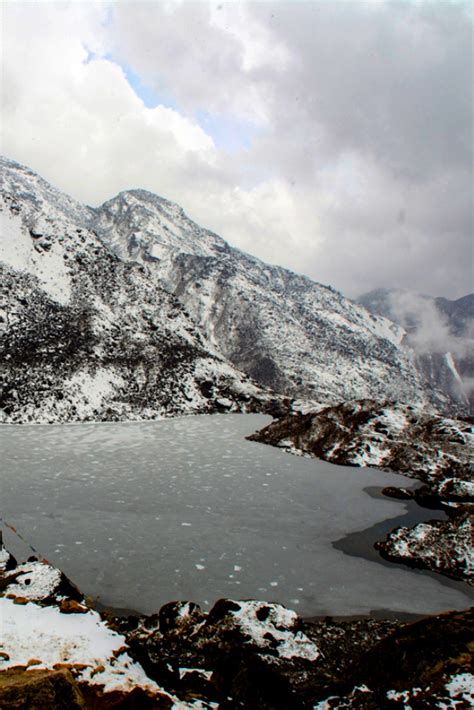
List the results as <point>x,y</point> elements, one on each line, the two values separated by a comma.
<point>423,446</point>
<point>58,653</point>
<point>428,664</point>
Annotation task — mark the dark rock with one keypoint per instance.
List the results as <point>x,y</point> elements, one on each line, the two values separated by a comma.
<point>443,546</point>
<point>398,493</point>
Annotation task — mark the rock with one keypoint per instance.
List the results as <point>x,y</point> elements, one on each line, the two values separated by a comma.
<point>443,546</point>
<point>40,690</point>
<point>70,606</point>
<point>398,493</point>
<point>419,665</point>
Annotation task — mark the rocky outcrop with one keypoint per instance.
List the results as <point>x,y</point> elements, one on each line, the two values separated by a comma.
<point>444,546</point>
<point>389,436</point>
<point>428,664</point>
<point>38,690</point>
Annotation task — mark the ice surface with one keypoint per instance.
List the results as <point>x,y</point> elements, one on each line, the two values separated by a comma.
<point>153,503</point>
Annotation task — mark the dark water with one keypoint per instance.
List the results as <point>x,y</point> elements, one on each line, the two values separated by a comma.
<point>140,514</point>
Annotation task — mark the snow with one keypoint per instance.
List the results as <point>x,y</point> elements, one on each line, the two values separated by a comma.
<point>450,363</point>
<point>44,633</point>
<point>461,688</point>
<point>17,251</point>
<point>201,671</point>
<point>93,387</point>
<point>290,645</point>
<point>34,580</point>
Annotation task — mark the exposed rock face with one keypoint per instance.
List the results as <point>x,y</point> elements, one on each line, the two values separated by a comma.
<point>86,336</point>
<point>439,545</point>
<point>92,324</point>
<point>39,690</point>
<point>440,331</point>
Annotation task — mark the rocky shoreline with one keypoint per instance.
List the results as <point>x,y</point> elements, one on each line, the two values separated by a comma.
<point>434,450</point>
<point>58,652</point>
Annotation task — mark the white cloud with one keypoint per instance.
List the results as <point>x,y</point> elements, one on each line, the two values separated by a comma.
<point>354,164</point>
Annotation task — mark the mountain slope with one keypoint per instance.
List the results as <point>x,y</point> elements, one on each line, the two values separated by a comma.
<point>287,332</point>
<point>84,335</point>
<point>119,277</point>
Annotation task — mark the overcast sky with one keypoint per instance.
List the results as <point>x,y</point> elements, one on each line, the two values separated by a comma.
<point>333,138</point>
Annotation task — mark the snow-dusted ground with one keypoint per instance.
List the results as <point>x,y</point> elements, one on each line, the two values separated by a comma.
<point>34,633</point>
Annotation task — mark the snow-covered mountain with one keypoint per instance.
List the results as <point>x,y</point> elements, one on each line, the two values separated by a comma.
<point>439,330</point>
<point>286,331</point>
<point>131,310</point>
<point>87,336</point>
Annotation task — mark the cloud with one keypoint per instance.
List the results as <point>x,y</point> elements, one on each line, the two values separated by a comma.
<point>428,328</point>
<point>332,138</point>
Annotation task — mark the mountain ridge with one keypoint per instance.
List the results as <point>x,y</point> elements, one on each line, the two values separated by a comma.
<point>286,332</point>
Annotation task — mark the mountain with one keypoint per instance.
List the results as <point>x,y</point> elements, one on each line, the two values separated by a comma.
<point>85,335</point>
<point>440,331</point>
<point>132,310</point>
<point>287,332</point>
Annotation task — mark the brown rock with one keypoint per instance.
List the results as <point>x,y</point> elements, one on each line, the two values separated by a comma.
<point>39,690</point>
<point>20,600</point>
<point>97,669</point>
<point>70,606</point>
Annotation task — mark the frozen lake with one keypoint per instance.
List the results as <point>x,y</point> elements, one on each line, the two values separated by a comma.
<point>141,514</point>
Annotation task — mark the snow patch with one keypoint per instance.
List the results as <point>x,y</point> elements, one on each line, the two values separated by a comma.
<point>18,252</point>
<point>30,631</point>
<point>290,645</point>
<point>34,581</point>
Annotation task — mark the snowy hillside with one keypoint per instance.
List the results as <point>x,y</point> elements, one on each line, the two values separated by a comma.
<point>117,278</point>
<point>84,335</point>
<point>289,333</point>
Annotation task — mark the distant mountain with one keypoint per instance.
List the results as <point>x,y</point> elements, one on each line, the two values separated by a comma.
<point>131,310</point>
<point>440,331</point>
<point>87,336</point>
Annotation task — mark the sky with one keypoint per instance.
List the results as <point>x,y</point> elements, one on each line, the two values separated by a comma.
<point>333,138</point>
